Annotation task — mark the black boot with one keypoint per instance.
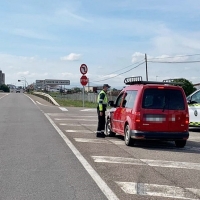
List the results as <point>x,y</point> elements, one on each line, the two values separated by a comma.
<point>100,134</point>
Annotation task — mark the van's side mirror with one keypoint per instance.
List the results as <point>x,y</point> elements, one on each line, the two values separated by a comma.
<point>111,103</point>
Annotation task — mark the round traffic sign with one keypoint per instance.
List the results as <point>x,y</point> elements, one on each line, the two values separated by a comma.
<point>84,80</point>
<point>83,69</point>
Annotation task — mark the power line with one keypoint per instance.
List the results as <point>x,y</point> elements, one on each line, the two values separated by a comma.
<point>175,56</point>
<point>126,67</point>
<point>121,73</point>
<point>197,61</point>
<point>120,69</point>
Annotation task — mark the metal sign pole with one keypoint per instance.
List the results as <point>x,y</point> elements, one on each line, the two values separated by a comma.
<point>83,96</point>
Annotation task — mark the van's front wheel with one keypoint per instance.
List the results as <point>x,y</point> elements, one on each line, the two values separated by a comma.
<point>127,136</point>
<point>180,143</point>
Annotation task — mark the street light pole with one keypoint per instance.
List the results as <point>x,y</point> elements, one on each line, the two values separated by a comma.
<point>24,80</point>
<point>156,78</point>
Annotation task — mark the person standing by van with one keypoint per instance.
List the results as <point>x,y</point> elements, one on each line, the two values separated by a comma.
<point>102,101</point>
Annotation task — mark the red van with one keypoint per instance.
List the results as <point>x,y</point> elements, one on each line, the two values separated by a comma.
<point>149,110</point>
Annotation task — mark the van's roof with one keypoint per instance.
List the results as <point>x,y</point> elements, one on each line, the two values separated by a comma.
<point>139,86</point>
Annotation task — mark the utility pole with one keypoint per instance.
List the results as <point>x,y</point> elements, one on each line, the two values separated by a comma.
<point>146,67</point>
<point>88,85</point>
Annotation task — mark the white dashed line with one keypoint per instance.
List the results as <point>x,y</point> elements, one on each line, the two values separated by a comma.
<point>90,109</point>
<point>64,124</point>
<point>63,109</point>
<point>153,163</point>
<point>66,119</point>
<point>79,131</point>
<point>91,140</point>
<point>145,189</point>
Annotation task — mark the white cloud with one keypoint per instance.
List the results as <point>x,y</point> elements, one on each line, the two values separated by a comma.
<point>137,56</point>
<point>33,34</point>
<point>66,13</point>
<point>71,57</point>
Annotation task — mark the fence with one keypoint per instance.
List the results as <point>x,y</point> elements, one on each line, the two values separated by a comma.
<point>90,97</point>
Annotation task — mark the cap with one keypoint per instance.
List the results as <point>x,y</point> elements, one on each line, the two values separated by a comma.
<point>106,85</point>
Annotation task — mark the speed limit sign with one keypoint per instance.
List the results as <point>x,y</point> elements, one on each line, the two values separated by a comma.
<point>83,69</point>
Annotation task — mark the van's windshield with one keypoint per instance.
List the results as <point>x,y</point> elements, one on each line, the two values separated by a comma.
<point>167,99</point>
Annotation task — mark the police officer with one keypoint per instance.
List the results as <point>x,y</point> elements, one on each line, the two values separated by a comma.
<point>102,101</point>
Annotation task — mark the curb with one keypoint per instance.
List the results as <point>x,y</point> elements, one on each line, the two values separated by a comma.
<point>47,97</point>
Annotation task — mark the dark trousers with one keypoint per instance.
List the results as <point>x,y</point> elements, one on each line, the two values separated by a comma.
<point>101,121</point>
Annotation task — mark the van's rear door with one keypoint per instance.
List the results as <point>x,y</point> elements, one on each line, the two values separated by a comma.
<point>154,116</point>
<point>178,111</point>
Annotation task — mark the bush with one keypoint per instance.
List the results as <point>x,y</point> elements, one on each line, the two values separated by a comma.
<point>5,88</point>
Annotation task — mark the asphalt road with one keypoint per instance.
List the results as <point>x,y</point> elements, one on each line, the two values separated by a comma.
<point>50,152</point>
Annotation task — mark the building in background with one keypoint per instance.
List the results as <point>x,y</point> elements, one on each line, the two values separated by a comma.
<point>2,78</point>
<point>197,86</point>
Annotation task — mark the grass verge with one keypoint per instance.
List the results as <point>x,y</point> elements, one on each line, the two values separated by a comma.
<point>75,103</point>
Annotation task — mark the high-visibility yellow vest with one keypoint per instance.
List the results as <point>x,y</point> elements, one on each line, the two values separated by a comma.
<point>102,100</point>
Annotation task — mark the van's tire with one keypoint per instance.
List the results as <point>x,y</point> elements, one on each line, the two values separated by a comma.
<point>180,143</point>
<point>109,132</point>
<point>127,136</point>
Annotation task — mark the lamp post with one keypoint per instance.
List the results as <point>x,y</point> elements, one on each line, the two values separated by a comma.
<point>156,78</point>
<point>24,81</point>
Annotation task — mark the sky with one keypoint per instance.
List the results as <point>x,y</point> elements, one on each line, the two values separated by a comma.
<point>52,39</point>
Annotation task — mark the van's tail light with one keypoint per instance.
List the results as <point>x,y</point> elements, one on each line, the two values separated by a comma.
<point>137,116</point>
<point>187,119</point>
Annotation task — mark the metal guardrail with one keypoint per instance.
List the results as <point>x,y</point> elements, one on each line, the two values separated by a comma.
<point>47,97</point>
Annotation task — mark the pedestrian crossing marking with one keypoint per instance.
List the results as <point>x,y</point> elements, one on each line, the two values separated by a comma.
<point>75,119</point>
<point>91,140</point>
<point>90,109</point>
<point>188,148</point>
<point>153,163</point>
<point>65,124</point>
<point>145,189</point>
<point>79,131</point>
<point>63,108</point>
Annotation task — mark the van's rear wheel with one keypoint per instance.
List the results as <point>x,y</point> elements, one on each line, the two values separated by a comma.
<point>109,132</point>
<point>127,136</point>
<point>180,143</point>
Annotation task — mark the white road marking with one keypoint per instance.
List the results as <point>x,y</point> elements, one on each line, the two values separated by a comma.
<point>159,190</point>
<point>91,140</point>
<point>30,99</point>
<point>90,109</point>
<point>40,103</point>
<point>189,148</point>
<point>4,96</point>
<point>63,109</point>
<point>194,138</point>
<point>98,180</point>
<point>155,163</point>
<point>79,131</point>
<point>64,124</point>
<point>76,116</point>
<point>66,119</point>
<point>117,142</point>
<point>104,141</point>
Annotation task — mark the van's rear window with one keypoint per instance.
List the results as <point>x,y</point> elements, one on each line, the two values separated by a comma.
<point>170,99</point>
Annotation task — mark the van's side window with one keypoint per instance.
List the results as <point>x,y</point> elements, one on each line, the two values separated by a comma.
<point>119,99</point>
<point>196,97</point>
<point>130,98</point>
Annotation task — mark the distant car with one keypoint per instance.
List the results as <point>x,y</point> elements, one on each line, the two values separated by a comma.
<point>149,110</point>
<point>18,91</point>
